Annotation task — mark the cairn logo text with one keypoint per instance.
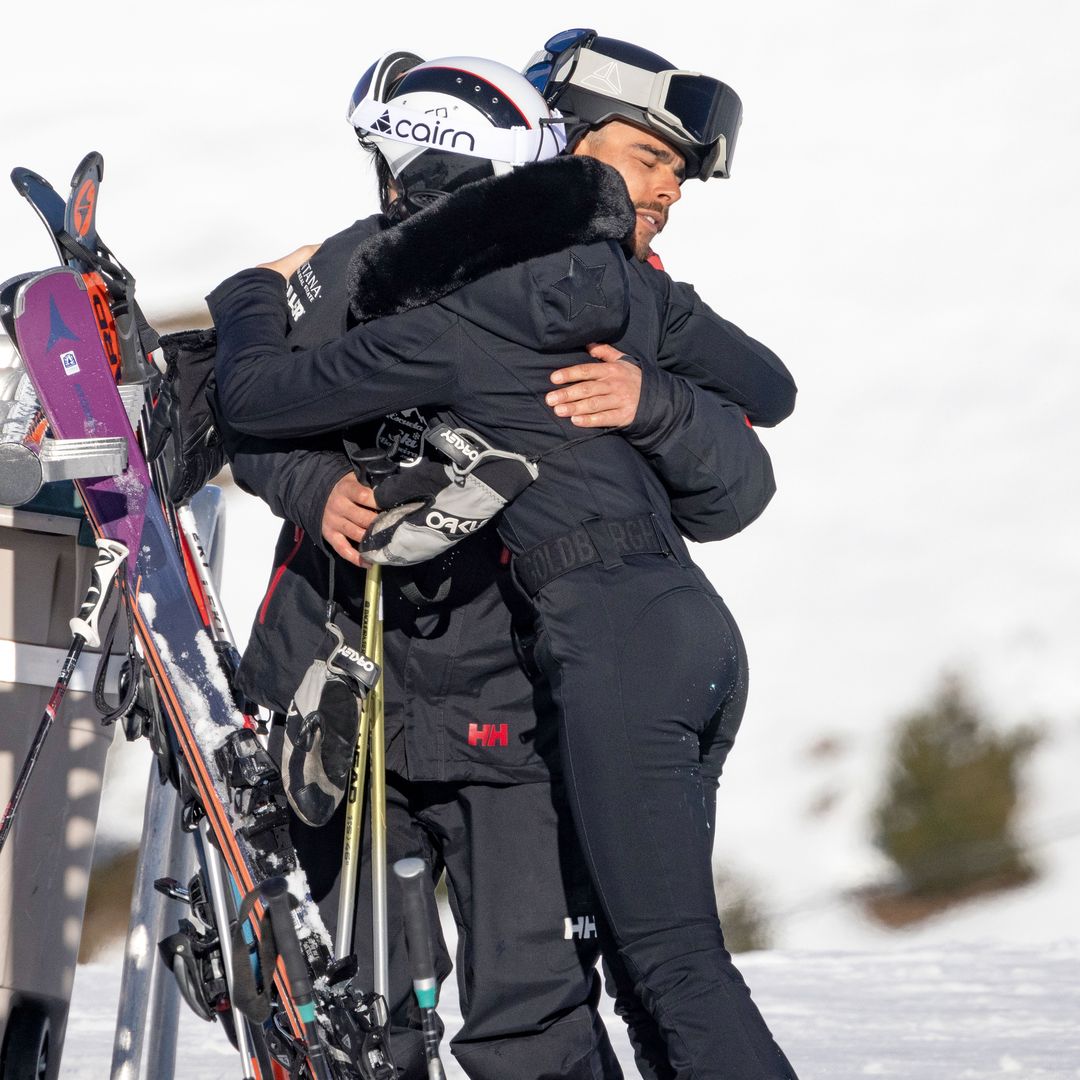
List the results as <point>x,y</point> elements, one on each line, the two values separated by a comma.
<point>433,134</point>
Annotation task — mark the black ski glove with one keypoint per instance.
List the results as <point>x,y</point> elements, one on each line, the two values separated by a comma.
<point>321,728</point>
<point>183,430</point>
<point>430,507</point>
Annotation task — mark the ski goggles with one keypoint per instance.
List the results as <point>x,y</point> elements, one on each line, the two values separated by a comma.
<point>698,113</point>
<point>539,68</point>
<point>379,79</point>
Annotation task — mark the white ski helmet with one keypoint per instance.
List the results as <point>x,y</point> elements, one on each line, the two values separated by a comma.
<point>445,123</point>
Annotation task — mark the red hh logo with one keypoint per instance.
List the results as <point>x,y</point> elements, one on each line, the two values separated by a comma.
<point>489,734</point>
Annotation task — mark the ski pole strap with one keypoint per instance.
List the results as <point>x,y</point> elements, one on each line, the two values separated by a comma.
<point>130,671</point>
<point>595,540</point>
<point>247,996</point>
<point>274,893</point>
<point>128,681</point>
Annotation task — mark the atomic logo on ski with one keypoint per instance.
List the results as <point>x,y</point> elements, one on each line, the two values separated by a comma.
<point>84,207</point>
<point>71,364</point>
<point>58,329</point>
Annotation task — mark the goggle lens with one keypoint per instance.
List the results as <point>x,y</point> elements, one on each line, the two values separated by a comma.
<point>362,87</point>
<point>539,72</point>
<point>381,76</point>
<point>565,39</point>
<point>695,101</point>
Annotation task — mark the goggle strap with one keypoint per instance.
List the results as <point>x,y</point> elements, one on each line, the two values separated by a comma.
<point>517,145</point>
<point>613,78</point>
<point>634,86</point>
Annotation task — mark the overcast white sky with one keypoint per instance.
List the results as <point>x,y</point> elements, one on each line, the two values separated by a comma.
<point>901,227</point>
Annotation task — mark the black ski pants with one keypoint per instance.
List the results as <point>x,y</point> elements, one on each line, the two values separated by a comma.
<point>648,671</point>
<point>525,915</point>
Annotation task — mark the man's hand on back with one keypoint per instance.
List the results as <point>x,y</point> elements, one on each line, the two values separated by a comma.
<point>287,265</point>
<point>598,395</point>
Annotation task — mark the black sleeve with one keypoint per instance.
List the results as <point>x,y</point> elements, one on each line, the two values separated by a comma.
<point>715,354</point>
<point>717,474</point>
<point>263,389</point>
<point>294,480</point>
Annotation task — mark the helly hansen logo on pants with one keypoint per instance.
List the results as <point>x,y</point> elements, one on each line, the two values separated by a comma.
<point>489,734</point>
<point>584,927</point>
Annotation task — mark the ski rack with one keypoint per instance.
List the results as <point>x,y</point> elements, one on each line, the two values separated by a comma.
<point>28,462</point>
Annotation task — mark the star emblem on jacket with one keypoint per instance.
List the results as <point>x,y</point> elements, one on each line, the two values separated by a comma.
<point>582,286</point>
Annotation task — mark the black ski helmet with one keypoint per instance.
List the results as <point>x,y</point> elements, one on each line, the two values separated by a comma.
<point>592,79</point>
<point>446,123</point>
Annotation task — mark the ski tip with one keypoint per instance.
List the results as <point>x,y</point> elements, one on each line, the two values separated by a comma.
<point>92,165</point>
<point>24,179</point>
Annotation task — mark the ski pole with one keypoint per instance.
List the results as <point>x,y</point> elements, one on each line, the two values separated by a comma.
<point>274,893</point>
<point>412,873</point>
<point>369,470</point>
<point>379,927</point>
<point>84,628</point>
<point>350,854</point>
<point>369,743</point>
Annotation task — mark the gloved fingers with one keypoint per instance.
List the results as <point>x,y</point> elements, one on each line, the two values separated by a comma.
<point>417,482</point>
<point>163,421</point>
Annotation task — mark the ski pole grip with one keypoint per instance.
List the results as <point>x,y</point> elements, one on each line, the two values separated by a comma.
<point>274,893</point>
<point>412,873</point>
<point>111,553</point>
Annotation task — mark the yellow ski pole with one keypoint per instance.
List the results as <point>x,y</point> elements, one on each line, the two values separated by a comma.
<point>371,740</point>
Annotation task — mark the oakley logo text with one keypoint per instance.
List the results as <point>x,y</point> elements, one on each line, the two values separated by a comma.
<point>452,525</point>
<point>459,444</point>
<point>356,658</point>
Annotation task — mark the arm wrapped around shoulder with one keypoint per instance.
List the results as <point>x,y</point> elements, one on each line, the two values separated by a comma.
<point>430,506</point>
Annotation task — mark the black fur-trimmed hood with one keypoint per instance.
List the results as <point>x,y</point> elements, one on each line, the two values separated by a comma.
<point>487,226</point>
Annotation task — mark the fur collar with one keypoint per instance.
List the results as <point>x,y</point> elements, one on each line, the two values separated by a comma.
<point>490,225</point>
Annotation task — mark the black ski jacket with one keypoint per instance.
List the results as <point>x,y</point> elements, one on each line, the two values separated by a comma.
<point>459,704</point>
<point>460,700</point>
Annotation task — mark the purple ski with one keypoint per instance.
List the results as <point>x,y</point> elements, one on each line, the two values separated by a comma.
<point>60,342</point>
<point>238,787</point>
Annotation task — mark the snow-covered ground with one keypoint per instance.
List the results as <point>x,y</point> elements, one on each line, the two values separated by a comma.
<point>901,227</point>
<point>959,1012</point>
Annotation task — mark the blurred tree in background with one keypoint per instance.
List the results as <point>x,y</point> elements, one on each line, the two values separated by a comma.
<point>745,925</point>
<point>947,814</point>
